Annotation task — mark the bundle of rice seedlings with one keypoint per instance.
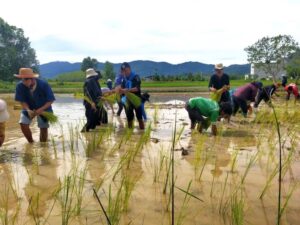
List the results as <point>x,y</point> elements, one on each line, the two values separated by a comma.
<point>133,99</point>
<point>216,96</point>
<point>50,117</point>
<point>111,98</point>
<point>83,97</point>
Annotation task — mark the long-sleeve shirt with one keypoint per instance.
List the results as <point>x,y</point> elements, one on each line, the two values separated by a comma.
<point>246,92</point>
<point>92,89</point>
<point>294,90</point>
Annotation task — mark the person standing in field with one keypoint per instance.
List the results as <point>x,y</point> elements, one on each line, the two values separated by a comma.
<point>243,95</point>
<point>131,83</point>
<point>219,85</point>
<point>207,112</point>
<point>3,118</point>
<point>92,93</point>
<point>35,97</point>
<point>292,89</point>
<point>117,87</point>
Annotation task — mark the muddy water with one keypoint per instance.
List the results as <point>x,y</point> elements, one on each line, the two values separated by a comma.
<point>224,175</point>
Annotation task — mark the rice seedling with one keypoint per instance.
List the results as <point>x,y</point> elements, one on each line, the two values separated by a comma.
<point>54,147</point>
<point>289,195</point>
<point>78,189</point>
<point>83,97</point>
<point>5,217</point>
<point>234,160</point>
<point>33,209</point>
<point>114,209</point>
<point>252,161</point>
<point>50,116</point>
<point>221,207</point>
<point>237,205</point>
<point>65,197</point>
<point>182,211</point>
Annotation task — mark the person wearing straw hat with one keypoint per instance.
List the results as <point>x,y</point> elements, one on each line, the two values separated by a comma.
<point>92,92</point>
<point>35,97</point>
<point>219,84</point>
<point>3,118</point>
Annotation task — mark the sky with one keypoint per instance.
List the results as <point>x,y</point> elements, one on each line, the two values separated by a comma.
<point>174,31</point>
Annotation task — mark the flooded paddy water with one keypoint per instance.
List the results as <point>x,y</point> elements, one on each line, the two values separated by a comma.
<point>228,179</point>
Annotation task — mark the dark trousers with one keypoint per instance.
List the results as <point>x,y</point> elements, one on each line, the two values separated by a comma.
<point>194,115</point>
<point>225,97</point>
<point>91,117</point>
<point>102,116</point>
<point>120,108</point>
<point>129,109</point>
<point>239,103</point>
<point>262,95</point>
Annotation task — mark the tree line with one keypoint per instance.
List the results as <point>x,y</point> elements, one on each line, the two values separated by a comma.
<point>281,51</point>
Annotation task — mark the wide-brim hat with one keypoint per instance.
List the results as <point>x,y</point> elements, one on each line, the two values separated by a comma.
<point>3,111</point>
<point>90,73</point>
<point>219,66</point>
<point>26,73</point>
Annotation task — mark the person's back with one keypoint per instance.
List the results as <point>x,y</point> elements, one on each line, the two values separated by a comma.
<point>207,107</point>
<point>246,92</point>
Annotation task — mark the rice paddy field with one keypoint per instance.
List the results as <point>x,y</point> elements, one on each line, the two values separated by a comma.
<point>166,174</point>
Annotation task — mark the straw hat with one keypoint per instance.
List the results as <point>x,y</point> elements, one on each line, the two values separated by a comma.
<point>3,111</point>
<point>90,73</point>
<point>26,73</point>
<point>219,66</point>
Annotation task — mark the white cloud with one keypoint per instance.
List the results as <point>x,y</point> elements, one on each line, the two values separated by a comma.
<point>173,31</point>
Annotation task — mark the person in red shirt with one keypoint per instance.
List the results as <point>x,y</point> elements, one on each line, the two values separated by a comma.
<point>292,89</point>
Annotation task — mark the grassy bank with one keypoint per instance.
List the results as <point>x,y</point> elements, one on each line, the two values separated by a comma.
<point>150,86</point>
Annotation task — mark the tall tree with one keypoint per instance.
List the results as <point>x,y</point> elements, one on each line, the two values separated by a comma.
<point>109,71</point>
<point>271,53</point>
<point>89,62</point>
<point>293,66</point>
<point>15,51</point>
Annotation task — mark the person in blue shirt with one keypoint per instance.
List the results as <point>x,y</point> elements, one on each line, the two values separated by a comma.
<point>35,97</point>
<point>132,83</point>
<point>145,98</point>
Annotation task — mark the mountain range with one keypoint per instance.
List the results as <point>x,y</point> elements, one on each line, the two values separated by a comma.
<point>145,68</point>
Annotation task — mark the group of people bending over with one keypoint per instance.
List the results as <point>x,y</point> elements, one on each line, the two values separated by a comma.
<point>225,102</point>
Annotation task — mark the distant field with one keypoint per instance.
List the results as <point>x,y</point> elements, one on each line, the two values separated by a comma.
<point>154,86</point>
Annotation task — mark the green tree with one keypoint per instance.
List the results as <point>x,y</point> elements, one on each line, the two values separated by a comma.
<point>271,53</point>
<point>293,66</point>
<point>109,71</point>
<point>89,62</point>
<point>15,51</point>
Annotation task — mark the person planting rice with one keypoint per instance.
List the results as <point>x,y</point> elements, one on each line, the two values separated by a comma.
<point>36,98</point>
<point>265,94</point>
<point>219,85</point>
<point>3,118</point>
<point>207,112</point>
<point>244,94</point>
<point>292,89</point>
<point>92,93</point>
<point>131,88</point>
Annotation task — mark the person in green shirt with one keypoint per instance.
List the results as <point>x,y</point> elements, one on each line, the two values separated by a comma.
<point>206,111</point>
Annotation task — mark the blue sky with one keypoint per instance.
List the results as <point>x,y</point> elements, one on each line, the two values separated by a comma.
<point>173,31</point>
